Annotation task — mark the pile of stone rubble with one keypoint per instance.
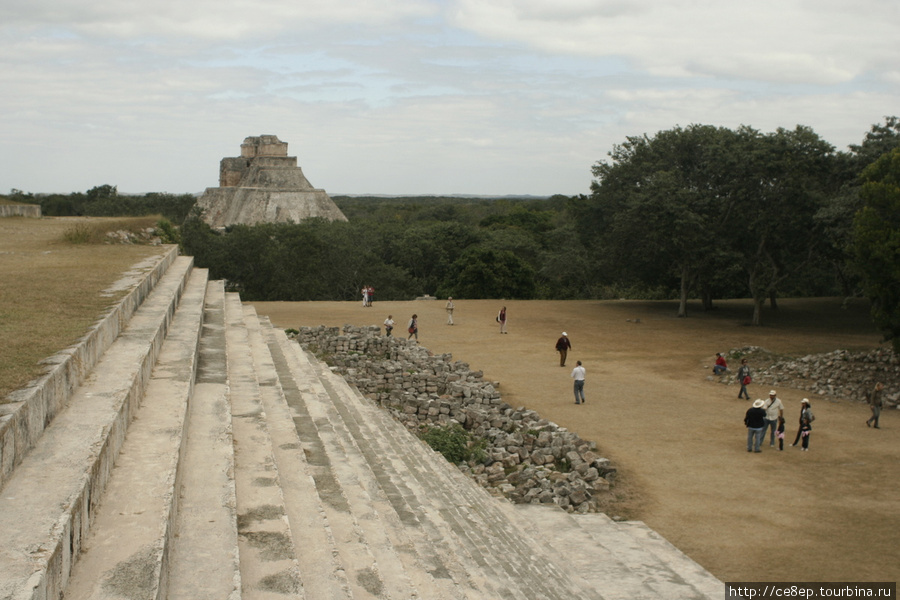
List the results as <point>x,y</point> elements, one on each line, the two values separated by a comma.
<point>839,375</point>
<point>527,459</point>
<point>144,236</point>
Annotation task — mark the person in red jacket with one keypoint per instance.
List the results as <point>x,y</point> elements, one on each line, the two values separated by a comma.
<point>721,366</point>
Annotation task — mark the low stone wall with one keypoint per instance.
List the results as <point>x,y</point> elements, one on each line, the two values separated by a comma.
<point>527,459</point>
<point>32,211</point>
<point>840,374</point>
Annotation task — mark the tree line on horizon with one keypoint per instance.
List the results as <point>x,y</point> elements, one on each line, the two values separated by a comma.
<point>697,212</point>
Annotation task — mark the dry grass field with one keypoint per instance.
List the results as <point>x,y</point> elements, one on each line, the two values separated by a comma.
<point>51,289</point>
<point>830,514</point>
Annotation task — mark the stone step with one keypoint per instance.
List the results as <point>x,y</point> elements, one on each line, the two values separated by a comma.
<point>610,557</point>
<point>204,562</point>
<point>370,494</point>
<point>322,574</point>
<point>476,523</point>
<point>126,552</point>
<point>28,411</point>
<point>689,570</point>
<point>409,500</point>
<point>374,568</point>
<point>497,559</point>
<point>47,504</point>
<point>268,565</point>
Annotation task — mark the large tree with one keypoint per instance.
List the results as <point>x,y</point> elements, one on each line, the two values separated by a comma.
<point>782,183</point>
<point>663,203</point>
<point>877,237</point>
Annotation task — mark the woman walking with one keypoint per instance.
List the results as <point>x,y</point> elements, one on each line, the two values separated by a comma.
<point>413,327</point>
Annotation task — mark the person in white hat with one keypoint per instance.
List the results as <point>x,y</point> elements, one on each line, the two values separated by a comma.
<point>806,419</point>
<point>563,345</point>
<point>755,420</point>
<point>774,410</point>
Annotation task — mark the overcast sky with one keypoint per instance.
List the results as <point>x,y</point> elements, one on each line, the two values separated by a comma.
<point>418,96</point>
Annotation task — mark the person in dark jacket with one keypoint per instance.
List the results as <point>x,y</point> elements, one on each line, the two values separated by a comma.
<point>755,420</point>
<point>875,404</point>
<point>563,345</point>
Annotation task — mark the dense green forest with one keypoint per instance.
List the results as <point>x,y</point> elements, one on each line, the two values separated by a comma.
<point>696,212</point>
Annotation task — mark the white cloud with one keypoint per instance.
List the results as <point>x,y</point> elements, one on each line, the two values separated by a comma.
<point>767,40</point>
<point>417,96</point>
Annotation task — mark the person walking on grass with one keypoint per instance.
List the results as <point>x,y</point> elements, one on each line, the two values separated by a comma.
<point>563,345</point>
<point>413,327</point>
<point>450,308</point>
<point>578,376</point>
<point>743,377</point>
<point>755,420</point>
<point>875,404</point>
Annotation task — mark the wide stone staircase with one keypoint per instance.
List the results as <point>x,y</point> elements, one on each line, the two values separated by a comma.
<point>186,449</point>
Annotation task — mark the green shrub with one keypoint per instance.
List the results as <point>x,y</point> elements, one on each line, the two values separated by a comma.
<point>452,442</point>
<point>168,233</point>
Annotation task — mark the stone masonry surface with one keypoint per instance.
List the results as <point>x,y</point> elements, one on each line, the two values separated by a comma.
<point>527,459</point>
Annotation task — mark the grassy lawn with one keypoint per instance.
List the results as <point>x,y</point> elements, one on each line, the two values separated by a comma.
<point>52,290</point>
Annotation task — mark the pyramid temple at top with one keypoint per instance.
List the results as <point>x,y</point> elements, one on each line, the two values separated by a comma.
<point>264,185</point>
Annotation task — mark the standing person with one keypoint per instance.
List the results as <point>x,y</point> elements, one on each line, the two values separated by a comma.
<point>389,325</point>
<point>781,433</point>
<point>370,295</point>
<point>413,327</point>
<point>721,366</point>
<point>806,416</point>
<point>501,318</point>
<point>365,296</point>
<point>450,308</point>
<point>755,420</point>
<point>563,345</point>
<point>875,403</point>
<point>774,411</point>
<point>578,376</point>
<point>805,430</point>
<point>744,377</point>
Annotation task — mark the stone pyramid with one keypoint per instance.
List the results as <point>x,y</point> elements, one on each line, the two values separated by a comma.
<point>264,185</point>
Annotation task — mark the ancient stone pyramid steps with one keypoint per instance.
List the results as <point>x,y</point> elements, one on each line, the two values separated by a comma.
<point>250,470</point>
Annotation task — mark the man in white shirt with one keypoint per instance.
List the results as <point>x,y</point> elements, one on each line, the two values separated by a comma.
<point>578,376</point>
<point>450,308</point>
<point>774,409</point>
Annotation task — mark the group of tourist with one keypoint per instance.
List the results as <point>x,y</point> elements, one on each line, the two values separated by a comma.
<point>769,414</point>
<point>368,295</point>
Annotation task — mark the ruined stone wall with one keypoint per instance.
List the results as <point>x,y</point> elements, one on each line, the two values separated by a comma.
<point>32,211</point>
<point>528,459</point>
<point>263,145</point>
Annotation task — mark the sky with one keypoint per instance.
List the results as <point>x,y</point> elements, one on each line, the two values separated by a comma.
<point>397,97</point>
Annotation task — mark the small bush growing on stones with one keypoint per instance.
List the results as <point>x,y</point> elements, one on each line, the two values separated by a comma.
<point>452,442</point>
<point>167,232</point>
